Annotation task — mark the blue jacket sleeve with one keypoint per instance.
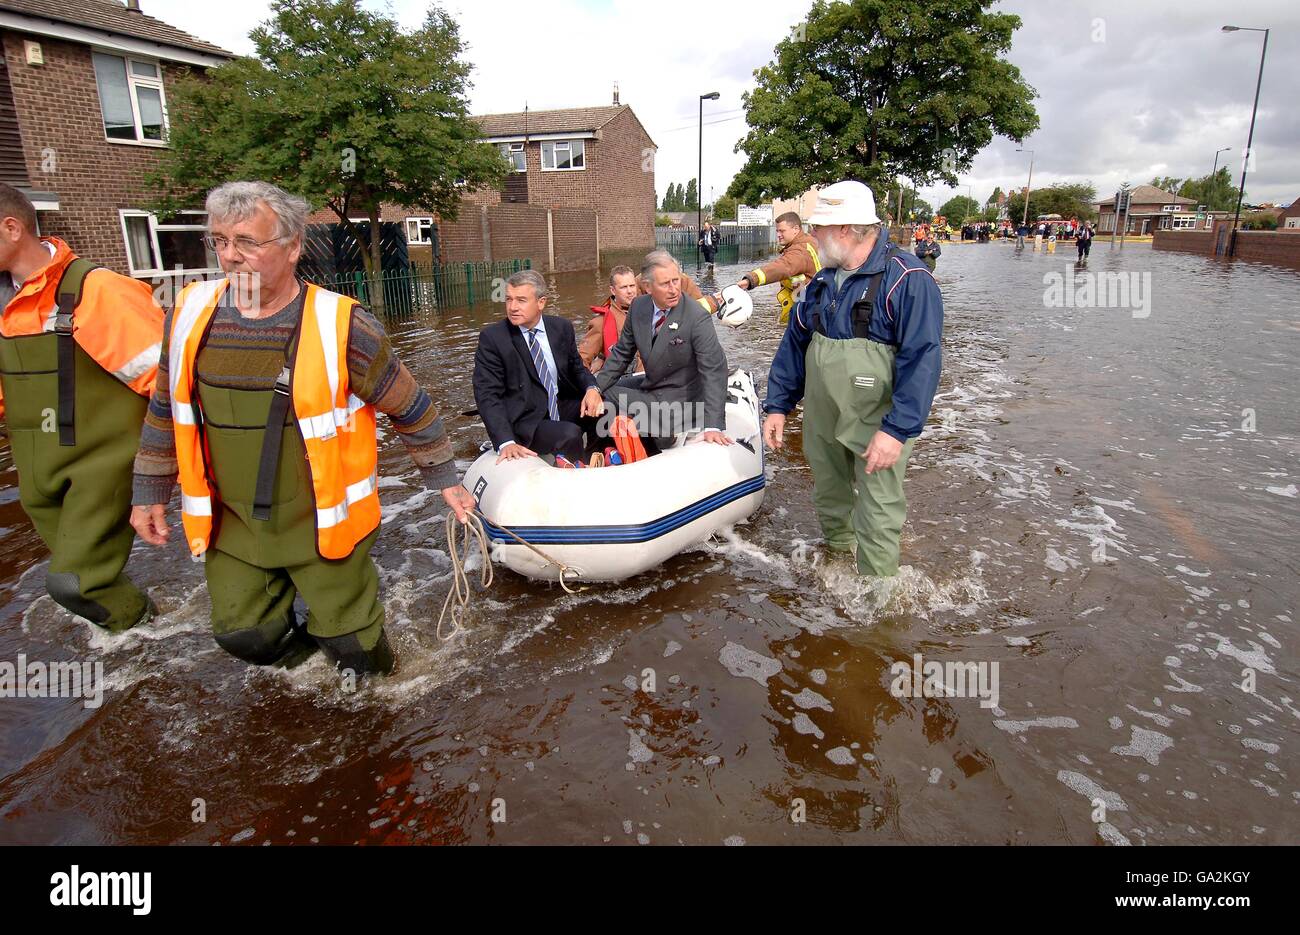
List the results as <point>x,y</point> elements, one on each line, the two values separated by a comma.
<point>785,379</point>
<point>918,308</point>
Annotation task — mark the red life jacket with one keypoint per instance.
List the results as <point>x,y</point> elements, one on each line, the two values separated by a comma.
<point>610,334</point>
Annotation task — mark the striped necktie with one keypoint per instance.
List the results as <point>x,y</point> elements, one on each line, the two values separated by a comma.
<point>660,317</point>
<point>544,373</point>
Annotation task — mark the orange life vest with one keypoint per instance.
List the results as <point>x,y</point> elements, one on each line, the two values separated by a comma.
<point>337,428</point>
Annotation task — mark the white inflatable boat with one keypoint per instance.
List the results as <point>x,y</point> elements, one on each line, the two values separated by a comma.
<point>613,522</point>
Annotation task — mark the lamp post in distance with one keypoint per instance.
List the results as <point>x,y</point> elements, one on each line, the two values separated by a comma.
<point>699,174</point>
<point>1250,137</point>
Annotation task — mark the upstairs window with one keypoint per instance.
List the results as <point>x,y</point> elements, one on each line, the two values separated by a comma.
<point>131,99</point>
<point>563,155</point>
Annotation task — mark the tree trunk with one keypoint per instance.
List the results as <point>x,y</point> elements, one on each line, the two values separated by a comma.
<point>375,268</point>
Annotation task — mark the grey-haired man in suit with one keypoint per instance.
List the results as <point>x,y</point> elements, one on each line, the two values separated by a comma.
<point>685,384</point>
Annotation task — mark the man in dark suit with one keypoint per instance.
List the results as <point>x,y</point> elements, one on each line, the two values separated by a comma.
<point>685,385</point>
<point>530,384</point>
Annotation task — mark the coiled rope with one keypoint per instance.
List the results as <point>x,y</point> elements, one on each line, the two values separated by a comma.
<point>459,556</point>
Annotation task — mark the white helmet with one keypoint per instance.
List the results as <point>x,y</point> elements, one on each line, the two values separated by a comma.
<point>737,306</point>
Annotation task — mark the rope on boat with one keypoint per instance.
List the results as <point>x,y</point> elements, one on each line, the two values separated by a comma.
<point>459,556</point>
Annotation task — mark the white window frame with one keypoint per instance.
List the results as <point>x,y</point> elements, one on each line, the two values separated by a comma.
<point>508,150</point>
<point>200,224</point>
<point>554,144</point>
<point>416,240</point>
<point>134,81</point>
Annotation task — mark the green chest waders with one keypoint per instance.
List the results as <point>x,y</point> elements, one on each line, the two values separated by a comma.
<point>264,541</point>
<point>74,429</point>
<point>848,392</point>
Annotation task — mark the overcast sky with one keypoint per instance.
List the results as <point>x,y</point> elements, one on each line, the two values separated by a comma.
<point>1127,90</point>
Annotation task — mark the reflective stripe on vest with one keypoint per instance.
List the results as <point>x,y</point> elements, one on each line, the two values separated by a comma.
<point>793,281</point>
<point>194,308</point>
<point>338,429</point>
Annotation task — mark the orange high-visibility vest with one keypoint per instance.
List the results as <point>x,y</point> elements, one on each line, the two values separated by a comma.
<point>337,428</point>
<point>118,322</point>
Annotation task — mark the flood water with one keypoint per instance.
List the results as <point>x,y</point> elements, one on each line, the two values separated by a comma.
<point>1102,504</point>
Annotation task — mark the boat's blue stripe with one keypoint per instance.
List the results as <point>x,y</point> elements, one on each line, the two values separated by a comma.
<point>636,532</point>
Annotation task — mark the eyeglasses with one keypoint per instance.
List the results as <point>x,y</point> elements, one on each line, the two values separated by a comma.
<point>244,245</point>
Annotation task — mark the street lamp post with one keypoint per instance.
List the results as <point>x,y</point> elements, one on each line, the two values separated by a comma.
<point>1024,221</point>
<point>699,185</point>
<point>1250,137</point>
<point>1209,206</point>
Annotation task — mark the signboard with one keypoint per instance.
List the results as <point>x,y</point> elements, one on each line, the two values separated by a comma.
<point>753,217</point>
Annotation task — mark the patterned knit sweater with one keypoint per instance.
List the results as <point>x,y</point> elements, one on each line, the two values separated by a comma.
<point>248,354</point>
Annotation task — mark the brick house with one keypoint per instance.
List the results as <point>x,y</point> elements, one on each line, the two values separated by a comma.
<point>1151,209</point>
<point>593,166</point>
<point>1288,218</point>
<point>583,185</point>
<point>586,157</point>
<point>83,114</point>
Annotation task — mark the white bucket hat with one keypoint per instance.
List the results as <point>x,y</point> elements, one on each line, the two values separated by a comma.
<point>844,203</point>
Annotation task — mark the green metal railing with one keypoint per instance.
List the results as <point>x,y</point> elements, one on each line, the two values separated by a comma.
<point>417,288</point>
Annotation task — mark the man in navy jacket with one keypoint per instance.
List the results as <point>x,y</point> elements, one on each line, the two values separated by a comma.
<point>863,353</point>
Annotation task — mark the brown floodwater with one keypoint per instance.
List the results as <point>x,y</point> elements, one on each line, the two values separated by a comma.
<point>1104,505</point>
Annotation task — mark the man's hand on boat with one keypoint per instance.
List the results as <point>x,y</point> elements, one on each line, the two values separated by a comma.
<point>593,404</point>
<point>716,437</point>
<point>460,500</point>
<point>515,450</point>
<point>774,430</point>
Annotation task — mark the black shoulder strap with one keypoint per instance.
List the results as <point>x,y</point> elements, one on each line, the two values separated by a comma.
<point>863,307</point>
<point>68,297</point>
<point>268,465</point>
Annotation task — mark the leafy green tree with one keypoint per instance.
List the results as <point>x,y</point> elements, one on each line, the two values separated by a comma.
<point>691,200</point>
<point>993,198</point>
<point>1068,199</point>
<point>887,199</point>
<point>673,197</point>
<point>1167,183</point>
<point>338,105</point>
<point>873,89</point>
<point>958,208</point>
<point>1215,191</point>
<point>725,209</point>
<point>917,210</point>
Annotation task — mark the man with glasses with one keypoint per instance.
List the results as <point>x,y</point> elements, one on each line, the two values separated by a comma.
<point>265,409</point>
